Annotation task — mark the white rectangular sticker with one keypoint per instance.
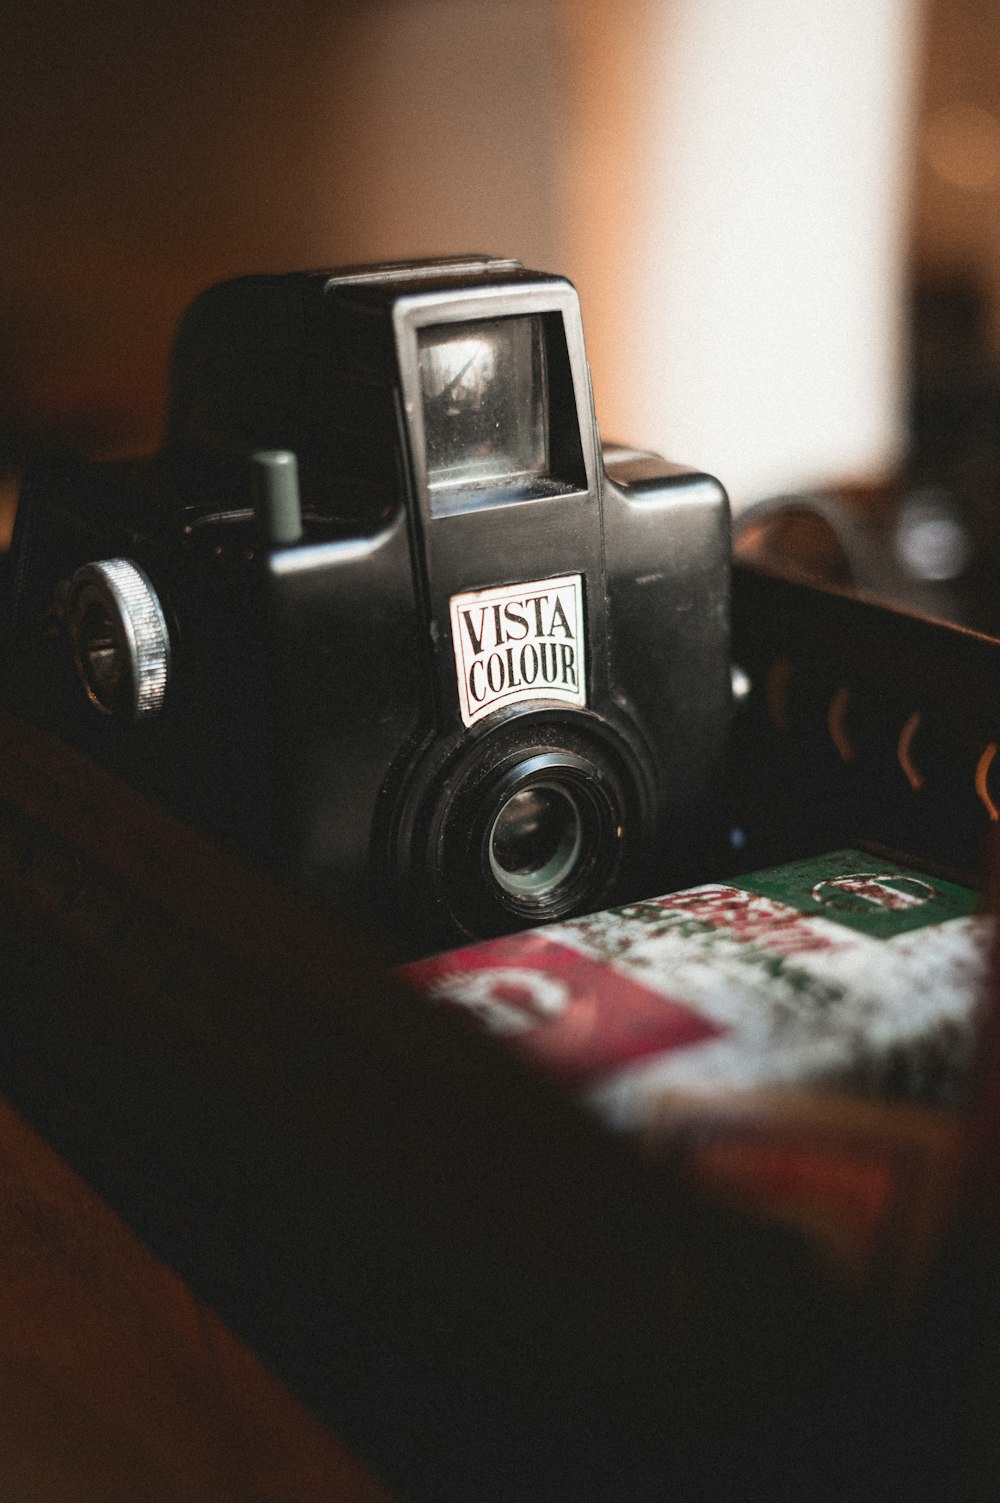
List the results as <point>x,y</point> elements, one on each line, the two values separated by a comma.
<point>519,642</point>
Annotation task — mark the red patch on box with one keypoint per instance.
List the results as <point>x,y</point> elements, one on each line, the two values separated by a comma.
<point>576,1016</point>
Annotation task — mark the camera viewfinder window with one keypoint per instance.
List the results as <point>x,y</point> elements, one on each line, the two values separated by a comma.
<point>486,405</point>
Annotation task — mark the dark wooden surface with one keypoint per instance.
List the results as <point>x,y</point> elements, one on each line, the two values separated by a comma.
<point>117,1383</point>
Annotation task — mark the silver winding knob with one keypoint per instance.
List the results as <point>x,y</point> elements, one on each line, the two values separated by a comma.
<point>119,637</point>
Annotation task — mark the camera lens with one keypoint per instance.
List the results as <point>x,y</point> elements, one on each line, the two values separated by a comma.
<point>530,826</point>
<point>535,840</point>
<point>549,837</point>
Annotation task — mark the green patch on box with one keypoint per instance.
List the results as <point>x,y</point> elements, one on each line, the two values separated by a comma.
<point>872,894</point>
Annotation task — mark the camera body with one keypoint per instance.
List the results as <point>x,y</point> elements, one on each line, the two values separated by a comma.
<point>384,612</point>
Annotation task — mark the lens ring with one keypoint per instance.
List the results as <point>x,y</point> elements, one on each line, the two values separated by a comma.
<point>535,840</point>
<point>549,837</point>
<point>445,846</point>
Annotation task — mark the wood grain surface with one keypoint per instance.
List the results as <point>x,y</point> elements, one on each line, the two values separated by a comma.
<point>116,1382</point>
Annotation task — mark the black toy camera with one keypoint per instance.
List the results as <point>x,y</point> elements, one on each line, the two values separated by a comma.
<point>382,610</point>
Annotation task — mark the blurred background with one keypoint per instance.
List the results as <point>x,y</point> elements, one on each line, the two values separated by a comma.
<point>783,220</point>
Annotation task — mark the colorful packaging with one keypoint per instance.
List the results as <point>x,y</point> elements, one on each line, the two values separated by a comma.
<point>797,1037</point>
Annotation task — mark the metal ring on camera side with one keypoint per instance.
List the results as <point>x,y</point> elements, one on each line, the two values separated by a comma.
<point>120,642</point>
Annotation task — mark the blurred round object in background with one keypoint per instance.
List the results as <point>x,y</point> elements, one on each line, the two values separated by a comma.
<point>796,535</point>
<point>931,540</point>
<point>962,146</point>
<point>831,538</point>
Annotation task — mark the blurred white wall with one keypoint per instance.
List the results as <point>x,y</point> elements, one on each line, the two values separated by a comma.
<point>757,268</point>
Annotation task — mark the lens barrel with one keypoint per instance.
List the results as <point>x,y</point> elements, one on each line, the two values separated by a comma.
<point>549,834</point>
<point>529,825</point>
